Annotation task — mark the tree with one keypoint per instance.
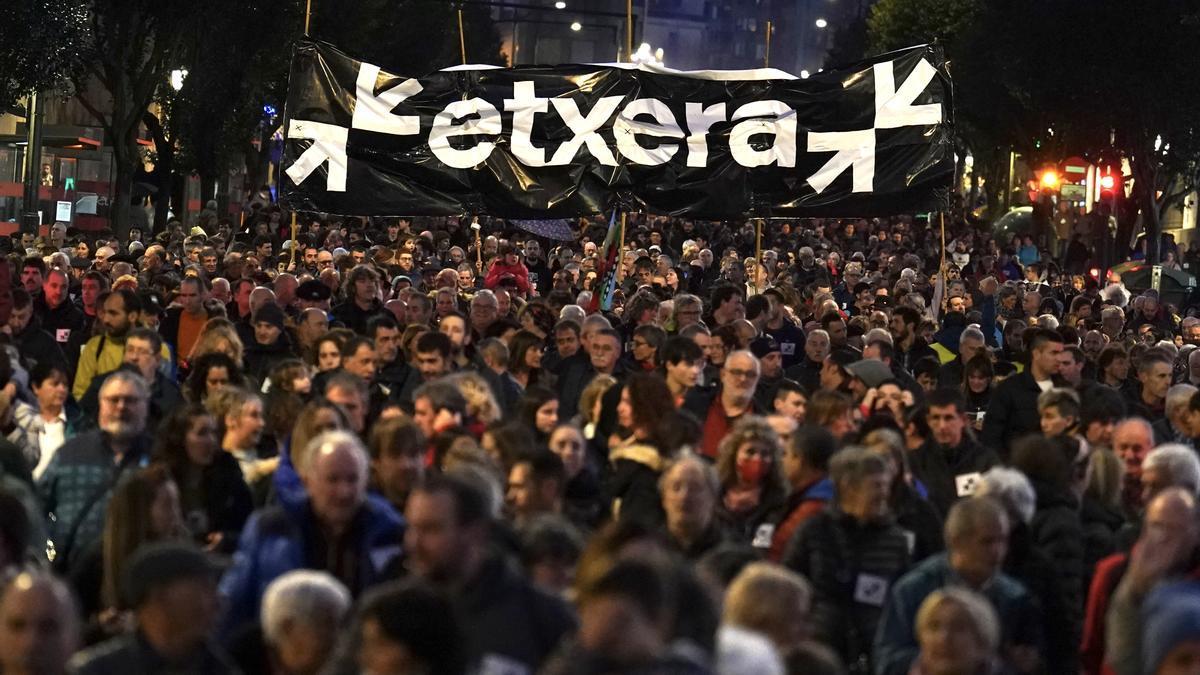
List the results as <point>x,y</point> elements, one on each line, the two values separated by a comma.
<point>130,49</point>
<point>40,45</point>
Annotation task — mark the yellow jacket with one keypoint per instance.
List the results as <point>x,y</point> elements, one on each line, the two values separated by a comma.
<point>101,354</point>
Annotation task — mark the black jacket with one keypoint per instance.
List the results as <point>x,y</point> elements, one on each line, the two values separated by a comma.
<point>38,346</point>
<point>355,318</point>
<point>221,502</point>
<point>632,484</point>
<point>1058,534</point>
<point>840,555</point>
<point>132,655</point>
<point>502,614</point>
<point>942,469</point>
<point>65,324</point>
<point>574,373</point>
<point>1012,413</point>
<point>921,518</point>
<point>260,358</point>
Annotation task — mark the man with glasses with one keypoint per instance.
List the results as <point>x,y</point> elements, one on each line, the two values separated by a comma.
<point>79,480</point>
<point>719,408</point>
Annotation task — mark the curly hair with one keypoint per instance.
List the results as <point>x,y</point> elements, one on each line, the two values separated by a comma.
<point>750,429</point>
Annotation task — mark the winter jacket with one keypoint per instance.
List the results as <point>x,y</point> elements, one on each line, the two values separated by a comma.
<point>65,324</point>
<point>632,486</point>
<point>222,502</point>
<point>896,639</point>
<point>260,358</point>
<point>278,540</point>
<point>951,473</point>
<point>754,527</point>
<point>803,504</point>
<point>919,519</point>
<point>131,654</point>
<point>851,565</point>
<point>1101,523</point>
<point>38,346</point>
<point>1058,533</point>
<point>1108,575</point>
<point>1012,413</point>
<point>499,269</point>
<point>100,356</point>
<point>507,621</point>
<point>354,317</point>
<point>76,486</point>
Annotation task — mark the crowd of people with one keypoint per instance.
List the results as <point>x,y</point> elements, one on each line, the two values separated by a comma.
<point>411,446</point>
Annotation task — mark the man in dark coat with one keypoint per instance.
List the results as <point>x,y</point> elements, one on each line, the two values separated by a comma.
<point>950,463</point>
<point>1013,410</point>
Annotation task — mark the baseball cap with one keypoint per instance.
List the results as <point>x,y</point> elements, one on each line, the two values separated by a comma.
<point>872,372</point>
<point>764,345</point>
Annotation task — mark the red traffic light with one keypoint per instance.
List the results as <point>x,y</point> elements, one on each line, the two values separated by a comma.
<point>1107,182</point>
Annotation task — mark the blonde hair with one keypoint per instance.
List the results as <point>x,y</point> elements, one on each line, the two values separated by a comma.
<point>481,402</point>
<point>764,597</point>
<point>978,609</point>
<point>1106,472</point>
<point>215,330</point>
<point>591,393</point>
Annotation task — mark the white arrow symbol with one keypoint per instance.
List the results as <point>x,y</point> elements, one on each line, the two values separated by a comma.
<point>894,107</point>
<point>329,145</point>
<point>373,112</point>
<point>855,149</point>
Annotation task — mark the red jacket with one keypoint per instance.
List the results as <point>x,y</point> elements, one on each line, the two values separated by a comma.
<point>499,269</point>
<point>1109,573</point>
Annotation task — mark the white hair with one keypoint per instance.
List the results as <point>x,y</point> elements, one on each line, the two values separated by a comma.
<point>573,312</point>
<point>333,439</point>
<point>879,334</point>
<point>314,598</point>
<point>1179,396</point>
<point>1048,321</point>
<point>1012,489</point>
<point>1179,461</point>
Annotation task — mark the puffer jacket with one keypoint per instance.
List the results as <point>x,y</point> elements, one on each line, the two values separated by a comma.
<point>1058,534</point>
<point>852,566</point>
<point>632,485</point>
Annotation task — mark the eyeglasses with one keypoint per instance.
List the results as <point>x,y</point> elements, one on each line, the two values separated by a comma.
<point>742,374</point>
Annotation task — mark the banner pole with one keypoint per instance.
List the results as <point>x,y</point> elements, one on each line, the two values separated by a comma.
<point>292,253</point>
<point>942,269</point>
<point>478,245</point>
<point>462,40</point>
<point>767,51</point>
<point>307,16</point>
<point>628,38</point>
<point>757,253</point>
<point>621,252</point>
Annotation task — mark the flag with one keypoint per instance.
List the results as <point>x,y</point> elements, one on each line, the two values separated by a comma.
<point>609,260</point>
<point>558,229</point>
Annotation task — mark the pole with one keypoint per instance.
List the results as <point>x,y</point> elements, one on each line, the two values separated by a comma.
<point>942,269</point>
<point>621,252</point>
<point>757,248</point>
<point>462,40</point>
<point>307,15</point>
<point>478,246</point>
<point>628,42</point>
<point>767,51</point>
<point>31,218</point>
<point>292,253</point>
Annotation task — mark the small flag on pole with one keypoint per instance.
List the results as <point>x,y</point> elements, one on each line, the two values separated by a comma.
<point>609,259</point>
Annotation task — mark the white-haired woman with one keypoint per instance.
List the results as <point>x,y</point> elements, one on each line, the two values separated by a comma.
<point>302,616</point>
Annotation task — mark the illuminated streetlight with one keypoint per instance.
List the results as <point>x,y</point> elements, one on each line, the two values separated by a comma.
<point>821,23</point>
<point>576,26</point>
<point>1050,179</point>
<point>560,5</point>
<point>177,77</point>
<point>804,74</point>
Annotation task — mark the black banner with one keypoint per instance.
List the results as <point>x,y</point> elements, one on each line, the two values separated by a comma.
<point>552,142</point>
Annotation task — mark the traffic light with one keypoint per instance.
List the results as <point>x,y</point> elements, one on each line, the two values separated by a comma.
<point>1108,186</point>
<point>1050,180</point>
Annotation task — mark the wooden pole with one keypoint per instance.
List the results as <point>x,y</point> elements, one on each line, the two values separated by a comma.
<point>767,51</point>
<point>307,16</point>
<point>757,253</point>
<point>628,36</point>
<point>478,246</point>
<point>462,38</point>
<point>621,252</point>
<point>942,269</point>
<point>292,253</point>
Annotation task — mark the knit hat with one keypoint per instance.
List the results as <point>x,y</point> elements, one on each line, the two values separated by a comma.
<point>270,313</point>
<point>872,372</point>
<point>156,565</point>
<point>1170,616</point>
<point>761,346</point>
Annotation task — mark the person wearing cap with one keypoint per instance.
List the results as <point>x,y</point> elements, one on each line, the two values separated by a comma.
<point>770,360</point>
<point>271,343</point>
<point>509,263</point>
<point>172,588</point>
<point>337,530</point>
<point>362,302</point>
<point>313,294</point>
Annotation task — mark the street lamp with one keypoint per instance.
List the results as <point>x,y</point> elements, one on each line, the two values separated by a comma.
<point>804,74</point>
<point>177,77</point>
<point>821,23</point>
<point>576,26</point>
<point>560,5</point>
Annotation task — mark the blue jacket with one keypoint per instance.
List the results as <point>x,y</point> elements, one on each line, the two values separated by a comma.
<point>277,540</point>
<point>896,638</point>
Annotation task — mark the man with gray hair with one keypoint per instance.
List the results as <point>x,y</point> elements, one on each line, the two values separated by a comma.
<point>852,554</point>
<point>302,615</point>
<point>970,344</point>
<point>78,483</point>
<point>338,531</point>
<point>1170,465</point>
<point>1172,428</point>
<point>976,532</point>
